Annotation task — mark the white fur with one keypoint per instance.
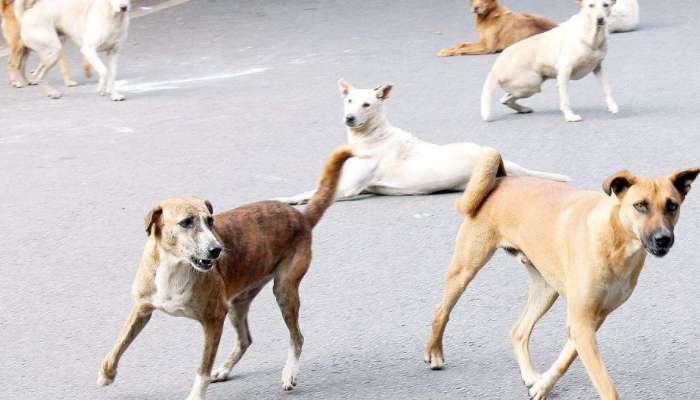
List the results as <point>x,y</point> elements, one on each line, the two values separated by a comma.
<point>291,370</point>
<point>199,388</point>
<point>624,16</point>
<point>94,25</point>
<point>391,161</point>
<point>572,50</point>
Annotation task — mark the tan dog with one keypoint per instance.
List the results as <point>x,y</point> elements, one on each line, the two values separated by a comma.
<point>184,271</point>
<point>586,246</point>
<point>498,28</point>
<point>16,59</point>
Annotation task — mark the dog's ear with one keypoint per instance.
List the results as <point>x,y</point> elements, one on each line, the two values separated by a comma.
<point>383,92</point>
<point>209,206</point>
<point>619,183</point>
<point>344,87</point>
<point>152,218</point>
<point>683,178</point>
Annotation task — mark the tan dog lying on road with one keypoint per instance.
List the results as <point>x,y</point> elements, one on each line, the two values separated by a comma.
<point>585,246</point>
<point>203,267</point>
<point>16,59</point>
<point>498,28</point>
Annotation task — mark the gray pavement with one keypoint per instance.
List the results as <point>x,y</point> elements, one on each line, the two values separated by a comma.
<point>236,101</point>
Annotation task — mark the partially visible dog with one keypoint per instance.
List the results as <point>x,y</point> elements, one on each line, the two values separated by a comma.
<point>391,161</point>
<point>624,16</point>
<point>200,266</point>
<point>586,246</point>
<point>16,59</point>
<point>94,25</point>
<point>570,51</point>
<point>498,28</point>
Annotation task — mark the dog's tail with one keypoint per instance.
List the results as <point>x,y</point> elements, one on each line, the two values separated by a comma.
<point>488,167</point>
<point>514,169</point>
<point>325,194</point>
<point>486,94</point>
<point>20,7</point>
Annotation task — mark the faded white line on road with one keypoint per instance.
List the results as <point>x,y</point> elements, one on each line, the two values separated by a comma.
<point>134,14</point>
<point>174,84</point>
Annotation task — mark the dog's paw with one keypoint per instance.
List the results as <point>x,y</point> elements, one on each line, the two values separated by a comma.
<point>117,97</point>
<point>613,108</point>
<point>53,94</point>
<point>445,53</point>
<point>572,118</point>
<point>529,380</point>
<point>103,379</point>
<point>525,110</point>
<point>70,83</point>
<point>221,374</point>
<point>17,84</point>
<point>435,358</point>
<point>289,377</point>
<point>542,387</point>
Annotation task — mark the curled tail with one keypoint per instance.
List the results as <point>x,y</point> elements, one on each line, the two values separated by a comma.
<point>20,7</point>
<point>486,94</point>
<point>514,169</point>
<point>488,167</point>
<point>325,194</point>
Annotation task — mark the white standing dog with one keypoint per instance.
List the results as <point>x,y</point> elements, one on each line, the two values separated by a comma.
<point>624,16</point>
<point>94,25</point>
<point>391,161</point>
<point>572,50</point>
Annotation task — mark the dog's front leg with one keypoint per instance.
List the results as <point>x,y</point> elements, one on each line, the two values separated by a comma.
<point>467,48</point>
<point>582,332</point>
<point>212,335</point>
<point>112,75</point>
<point>90,54</point>
<point>138,318</point>
<point>612,105</point>
<point>563,77</point>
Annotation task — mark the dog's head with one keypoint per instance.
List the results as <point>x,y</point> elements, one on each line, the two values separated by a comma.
<point>649,207</point>
<point>120,6</point>
<point>483,7</point>
<point>360,105</point>
<point>183,228</point>
<point>597,11</point>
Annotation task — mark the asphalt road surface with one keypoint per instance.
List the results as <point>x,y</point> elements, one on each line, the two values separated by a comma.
<point>236,101</point>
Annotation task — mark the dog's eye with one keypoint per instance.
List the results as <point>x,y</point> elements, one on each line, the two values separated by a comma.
<point>591,5</point>
<point>671,207</point>
<point>187,222</point>
<point>641,206</point>
<point>606,5</point>
<point>210,222</point>
<point>365,105</point>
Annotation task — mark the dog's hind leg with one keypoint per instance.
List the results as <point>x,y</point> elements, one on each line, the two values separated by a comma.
<point>238,315</point>
<point>65,72</point>
<point>49,57</point>
<point>286,290</point>
<point>475,246</point>
<point>540,298</point>
<point>511,101</point>
<point>138,318</point>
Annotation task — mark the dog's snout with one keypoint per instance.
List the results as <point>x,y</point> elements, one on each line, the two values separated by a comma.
<point>601,20</point>
<point>214,252</point>
<point>350,119</point>
<point>124,8</point>
<point>663,239</point>
<point>475,9</point>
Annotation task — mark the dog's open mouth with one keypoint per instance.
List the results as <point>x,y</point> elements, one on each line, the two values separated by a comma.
<point>657,252</point>
<point>202,264</point>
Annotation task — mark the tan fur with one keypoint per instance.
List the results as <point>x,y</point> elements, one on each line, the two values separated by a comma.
<point>488,167</point>
<point>498,28</point>
<point>261,242</point>
<point>586,246</point>
<point>16,62</point>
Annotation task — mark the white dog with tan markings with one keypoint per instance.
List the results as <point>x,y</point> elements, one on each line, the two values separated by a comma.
<point>572,50</point>
<point>94,25</point>
<point>391,161</point>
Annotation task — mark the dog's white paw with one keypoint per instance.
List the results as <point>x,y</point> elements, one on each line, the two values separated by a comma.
<point>524,110</point>
<point>613,108</point>
<point>70,83</point>
<point>221,374</point>
<point>572,117</point>
<point>194,397</point>
<point>117,97</point>
<point>542,387</point>
<point>435,359</point>
<point>530,379</point>
<point>103,380</point>
<point>53,94</point>
<point>17,84</point>
<point>289,377</point>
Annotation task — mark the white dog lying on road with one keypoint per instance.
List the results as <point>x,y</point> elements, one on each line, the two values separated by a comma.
<point>94,25</point>
<point>570,51</point>
<point>390,161</point>
<point>624,16</point>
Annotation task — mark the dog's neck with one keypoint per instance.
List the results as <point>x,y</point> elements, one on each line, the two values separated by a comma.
<point>624,248</point>
<point>495,12</point>
<point>375,129</point>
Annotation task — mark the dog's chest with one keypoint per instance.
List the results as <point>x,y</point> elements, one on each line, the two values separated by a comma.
<point>616,292</point>
<point>586,64</point>
<point>173,290</point>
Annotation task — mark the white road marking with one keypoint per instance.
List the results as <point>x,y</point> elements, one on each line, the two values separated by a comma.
<point>175,84</point>
<point>134,14</point>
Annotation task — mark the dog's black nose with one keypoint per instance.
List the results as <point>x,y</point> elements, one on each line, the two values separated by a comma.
<point>214,252</point>
<point>662,240</point>
<point>124,8</point>
<point>349,119</point>
<point>601,20</point>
